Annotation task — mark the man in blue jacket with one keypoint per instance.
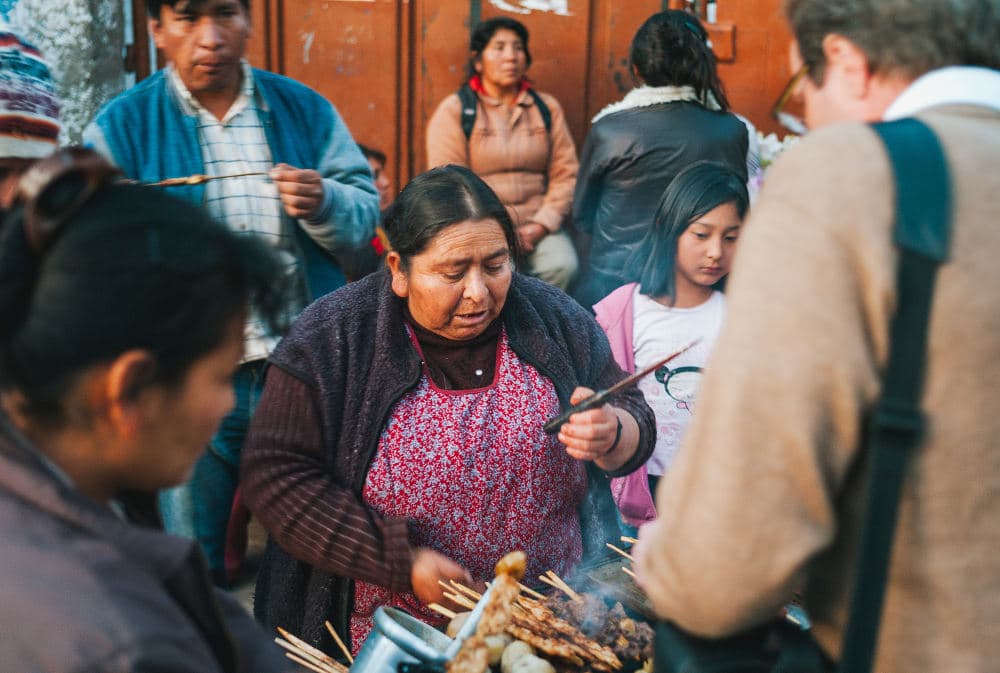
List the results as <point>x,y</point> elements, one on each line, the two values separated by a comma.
<point>310,195</point>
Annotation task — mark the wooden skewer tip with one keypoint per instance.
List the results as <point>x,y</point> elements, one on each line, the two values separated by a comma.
<point>340,643</point>
<point>619,551</point>
<point>529,591</point>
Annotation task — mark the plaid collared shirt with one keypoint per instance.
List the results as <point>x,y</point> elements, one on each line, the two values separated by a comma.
<point>248,205</point>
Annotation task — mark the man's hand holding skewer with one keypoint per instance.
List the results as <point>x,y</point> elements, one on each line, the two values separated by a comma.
<point>300,190</point>
<point>606,435</point>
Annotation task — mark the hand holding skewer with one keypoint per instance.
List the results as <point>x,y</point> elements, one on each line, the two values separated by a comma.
<point>601,396</point>
<point>604,435</point>
<point>300,190</point>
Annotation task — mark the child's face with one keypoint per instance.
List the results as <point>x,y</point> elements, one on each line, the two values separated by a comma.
<point>705,249</point>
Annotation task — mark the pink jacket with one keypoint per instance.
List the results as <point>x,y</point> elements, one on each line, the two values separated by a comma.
<point>614,315</point>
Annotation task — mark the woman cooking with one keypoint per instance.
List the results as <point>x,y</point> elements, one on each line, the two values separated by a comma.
<point>518,142</point>
<point>399,438</point>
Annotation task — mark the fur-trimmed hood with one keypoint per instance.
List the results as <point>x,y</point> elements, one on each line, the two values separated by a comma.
<point>644,96</point>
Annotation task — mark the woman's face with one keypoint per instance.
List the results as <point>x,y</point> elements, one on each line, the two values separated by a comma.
<point>503,62</point>
<point>178,421</point>
<point>457,286</point>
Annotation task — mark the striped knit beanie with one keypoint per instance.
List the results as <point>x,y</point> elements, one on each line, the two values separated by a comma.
<point>29,107</point>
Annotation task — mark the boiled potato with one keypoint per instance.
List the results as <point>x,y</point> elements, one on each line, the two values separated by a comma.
<point>532,664</point>
<point>496,645</point>
<point>516,650</point>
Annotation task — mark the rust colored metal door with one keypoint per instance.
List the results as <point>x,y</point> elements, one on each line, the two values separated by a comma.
<point>386,64</point>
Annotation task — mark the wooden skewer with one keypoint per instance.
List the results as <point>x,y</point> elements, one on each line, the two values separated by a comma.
<point>630,540</point>
<point>546,580</point>
<point>620,551</point>
<point>340,643</point>
<point>628,572</point>
<point>554,580</point>
<point>307,648</point>
<point>442,610</point>
<point>530,592</point>
<point>459,599</point>
<point>199,178</point>
<point>302,662</point>
<point>472,593</point>
<point>565,587</point>
<point>324,665</point>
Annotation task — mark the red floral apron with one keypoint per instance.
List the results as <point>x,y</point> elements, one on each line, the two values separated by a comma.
<point>476,477</point>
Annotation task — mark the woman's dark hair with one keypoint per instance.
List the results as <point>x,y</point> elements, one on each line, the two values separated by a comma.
<point>129,268</point>
<point>699,188</point>
<point>671,49</point>
<point>437,199</point>
<point>484,32</point>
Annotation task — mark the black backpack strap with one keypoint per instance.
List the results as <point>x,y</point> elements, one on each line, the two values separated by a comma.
<point>543,109</point>
<point>923,213</point>
<point>470,104</point>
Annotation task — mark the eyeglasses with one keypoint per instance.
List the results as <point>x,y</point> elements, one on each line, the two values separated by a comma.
<point>54,188</point>
<point>792,122</point>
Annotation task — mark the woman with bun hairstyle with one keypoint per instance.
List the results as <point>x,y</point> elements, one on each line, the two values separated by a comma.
<point>677,115</point>
<point>121,314</point>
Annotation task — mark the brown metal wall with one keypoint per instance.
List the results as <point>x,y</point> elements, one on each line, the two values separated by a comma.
<point>386,64</point>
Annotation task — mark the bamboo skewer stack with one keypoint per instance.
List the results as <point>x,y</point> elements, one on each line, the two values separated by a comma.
<point>306,655</point>
<point>553,580</point>
<point>535,623</point>
<point>532,621</point>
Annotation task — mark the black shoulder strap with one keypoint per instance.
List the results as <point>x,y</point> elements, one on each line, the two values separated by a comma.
<point>543,109</point>
<point>922,233</point>
<point>470,105</point>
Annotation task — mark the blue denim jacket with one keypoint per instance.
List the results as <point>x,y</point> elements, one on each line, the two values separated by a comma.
<point>147,134</point>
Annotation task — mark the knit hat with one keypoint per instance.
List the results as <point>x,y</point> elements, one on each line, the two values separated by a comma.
<point>29,107</point>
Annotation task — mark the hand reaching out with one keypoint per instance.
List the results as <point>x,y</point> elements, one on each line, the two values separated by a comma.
<point>430,567</point>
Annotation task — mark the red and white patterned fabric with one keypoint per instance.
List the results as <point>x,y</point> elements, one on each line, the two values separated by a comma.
<point>476,477</point>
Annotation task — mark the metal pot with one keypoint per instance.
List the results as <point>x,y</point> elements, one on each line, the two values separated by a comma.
<point>399,638</point>
<point>396,638</point>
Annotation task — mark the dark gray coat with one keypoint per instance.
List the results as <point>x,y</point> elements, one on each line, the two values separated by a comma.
<point>82,590</point>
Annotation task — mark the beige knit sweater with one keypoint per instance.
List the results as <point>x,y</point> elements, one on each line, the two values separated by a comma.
<point>532,171</point>
<point>766,495</point>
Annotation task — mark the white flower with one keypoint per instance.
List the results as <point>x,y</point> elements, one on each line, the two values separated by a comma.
<point>771,146</point>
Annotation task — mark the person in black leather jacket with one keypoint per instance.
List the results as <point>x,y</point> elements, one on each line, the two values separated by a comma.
<point>676,116</point>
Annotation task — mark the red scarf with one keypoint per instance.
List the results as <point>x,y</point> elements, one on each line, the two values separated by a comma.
<point>476,84</point>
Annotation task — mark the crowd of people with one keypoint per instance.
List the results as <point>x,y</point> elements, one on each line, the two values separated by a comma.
<point>371,374</point>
